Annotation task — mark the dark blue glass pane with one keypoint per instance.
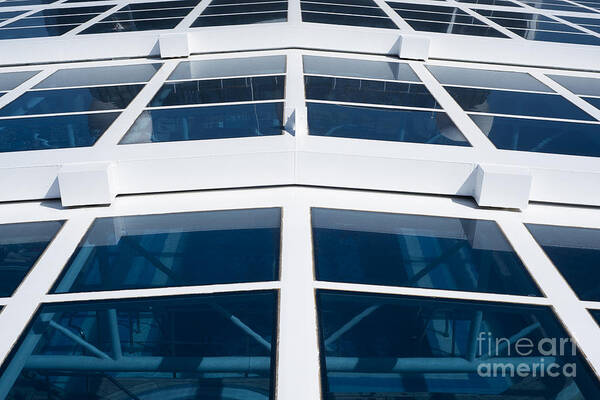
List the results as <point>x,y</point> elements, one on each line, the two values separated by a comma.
<point>220,91</point>
<point>383,124</point>
<point>386,347</point>
<point>516,103</point>
<point>239,9</point>
<point>366,3</point>
<point>491,2</point>
<point>131,26</point>
<point>148,14</point>
<point>425,7</point>
<point>9,14</point>
<point>576,254</point>
<point>53,132</point>
<point>59,20</point>
<point>193,347</point>
<point>416,251</point>
<point>474,30</point>
<point>596,315</point>
<point>20,247</point>
<point>368,91</point>
<point>72,11</point>
<point>595,101</point>
<point>200,123</point>
<point>555,5</point>
<point>334,8</point>
<point>541,136</point>
<point>182,249</point>
<point>23,33</point>
<point>72,100</point>
<point>160,4</point>
<point>240,19</point>
<point>353,20</point>
<point>559,37</point>
<point>11,80</point>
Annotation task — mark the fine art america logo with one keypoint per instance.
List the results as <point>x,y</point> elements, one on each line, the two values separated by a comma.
<point>523,357</point>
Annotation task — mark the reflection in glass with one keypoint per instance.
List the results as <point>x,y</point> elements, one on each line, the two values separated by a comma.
<point>383,124</point>
<point>10,80</point>
<point>368,91</point>
<point>391,71</point>
<point>541,136</point>
<point>579,85</point>
<point>240,19</point>
<point>193,347</point>
<point>20,247</point>
<point>220,91</point>
<point>516,103</point>
<point>228,67</point>
<point>200,123</point>
<point>384,347</point>
<point>416,251</point>
<point>576,254</point>
<point>99,76</point>
<point>56,132</point>
<point>72,100</point>
<point>175,250</point>
<point>487,78</point>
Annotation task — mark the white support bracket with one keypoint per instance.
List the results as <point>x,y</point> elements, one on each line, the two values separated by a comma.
<point>414,47</point>
<point>84,184</point>
<point>502,186</point>
<point>173,45</point>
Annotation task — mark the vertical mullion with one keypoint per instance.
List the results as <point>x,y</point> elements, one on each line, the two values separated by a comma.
<point>298,352</point>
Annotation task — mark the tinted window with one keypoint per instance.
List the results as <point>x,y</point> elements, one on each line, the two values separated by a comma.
<point>207,347</point>
<point>416,251</point>
<point>378,347</point>
<point>576,254</point>
<point>356,122</point>
<point>199,123</point>
<point>20,247</point>
<point>175,250</point>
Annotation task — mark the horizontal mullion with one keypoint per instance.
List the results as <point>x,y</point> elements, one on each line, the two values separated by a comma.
<point>195,105</point>
<point>371,105</point>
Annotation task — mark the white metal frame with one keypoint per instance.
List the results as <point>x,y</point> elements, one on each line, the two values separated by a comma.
<point>298,374</point>
<point>298,158</point>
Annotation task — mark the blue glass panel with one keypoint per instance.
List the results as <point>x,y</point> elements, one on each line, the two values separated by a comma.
<point>175,250</point>
<point>72,100</point>
<point>335,8</point>
<point>383,124</point>
<point>589,23</point>
<point>194,347</point>
<point>23,33</point>
<point>416,251</point>
<point>229,67</point>
<point>492,2</point>
<point>352,20</point>
<point>72,11</point>
<point>239,9</point>
<point>240,19</point>
<point>20,247</point>
<point>160,4</point>
<point>579,85</point>
<point>53,132</point>
<point>9,14</point>
<point>595,101</point>
<point>200,123</point>
<point>596,315</point>
<point>366,3</point>
<point>100,76</point>
<point>220,91</point>
<point>226,2</point>
<point>393,347</point>
<point>554,5</point>
<point>559,37</point>
<point>487,78</point>
<point>576,254</point>
<point>148,14</point>
<point>59,20</point>
<point>541,136</point>
<point>131,26</point>
<point>368,91</point>
<point>18,3</point>
<point>391,71</point>
<point>516,103</point>
<point>11,80</point>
